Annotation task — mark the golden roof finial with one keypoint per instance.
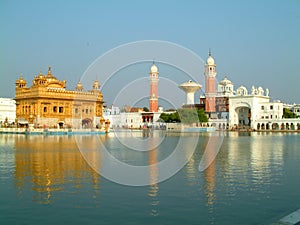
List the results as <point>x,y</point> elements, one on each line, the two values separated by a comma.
<point>49,70</point>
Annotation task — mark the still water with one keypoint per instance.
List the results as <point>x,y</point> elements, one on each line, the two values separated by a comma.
<point>254,179</point>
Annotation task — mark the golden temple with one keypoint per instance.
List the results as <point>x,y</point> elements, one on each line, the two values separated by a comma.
<point>47,103</point>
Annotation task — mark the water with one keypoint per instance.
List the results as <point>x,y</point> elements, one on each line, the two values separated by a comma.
<point>253,180</point>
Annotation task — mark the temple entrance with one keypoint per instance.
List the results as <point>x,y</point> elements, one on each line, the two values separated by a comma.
<point>147,118</point>
<point>244,116</point>
<point>87,123</point>
<point>61,125</point>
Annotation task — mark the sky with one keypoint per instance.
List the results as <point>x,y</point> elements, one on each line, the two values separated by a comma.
<point>252,42</point>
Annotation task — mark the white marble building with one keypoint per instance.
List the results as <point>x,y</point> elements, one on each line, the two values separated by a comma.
<point>251,109</point>
<point>247,109</point>
<point>7,110</point>
<point>131,120</point>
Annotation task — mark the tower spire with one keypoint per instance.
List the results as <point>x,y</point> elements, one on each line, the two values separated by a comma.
<point>209,52</point>
<point>153,98</point>
<point>49,70</point>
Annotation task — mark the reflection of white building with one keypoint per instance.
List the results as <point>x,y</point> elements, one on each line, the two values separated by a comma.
<point>7,110</point>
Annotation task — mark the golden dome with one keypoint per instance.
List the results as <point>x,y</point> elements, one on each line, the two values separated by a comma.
<point>79,86</point>
<point>96,84</point>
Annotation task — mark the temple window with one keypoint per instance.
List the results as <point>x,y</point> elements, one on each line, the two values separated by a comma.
<point>271,107</point>
<point>87,111</point>
<point>45,109</point>
<point>262,107</point>
<point>54,108</point>
<point>61,109</point>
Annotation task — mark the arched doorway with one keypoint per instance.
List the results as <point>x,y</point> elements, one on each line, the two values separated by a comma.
<point>275,126</point>
<point>87,123</point>
<point>61,124</point>
<point>243,116</point>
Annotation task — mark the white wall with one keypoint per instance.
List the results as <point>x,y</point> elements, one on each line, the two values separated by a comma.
<point>7,109</point>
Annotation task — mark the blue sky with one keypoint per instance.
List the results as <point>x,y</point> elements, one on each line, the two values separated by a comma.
<point>253,42</point>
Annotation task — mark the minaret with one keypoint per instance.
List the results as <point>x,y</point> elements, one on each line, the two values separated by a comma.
<point>153,99</point>
<point>210,84</point>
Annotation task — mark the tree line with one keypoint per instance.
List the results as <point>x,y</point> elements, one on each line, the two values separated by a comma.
<point>185,115</point>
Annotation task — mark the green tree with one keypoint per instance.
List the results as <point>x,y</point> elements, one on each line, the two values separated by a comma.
<point>202,116</point>
<point>145,109</point>
<point>287,113</point>
<point>185,115</point>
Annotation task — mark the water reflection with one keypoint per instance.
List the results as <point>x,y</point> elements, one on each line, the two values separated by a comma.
<point>153,179</point>
<point>46,164</point>
<point>266,154</point>
<point>256,159</point>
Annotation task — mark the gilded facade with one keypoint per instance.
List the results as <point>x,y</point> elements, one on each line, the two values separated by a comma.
<point>47,103</point>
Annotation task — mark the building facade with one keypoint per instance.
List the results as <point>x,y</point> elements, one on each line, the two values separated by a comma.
<point>7,111</point>
<point>47,103</point>
<point>242,109</point>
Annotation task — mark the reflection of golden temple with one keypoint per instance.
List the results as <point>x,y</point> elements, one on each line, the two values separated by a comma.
<point>51,162</point>
<point>48,103</point>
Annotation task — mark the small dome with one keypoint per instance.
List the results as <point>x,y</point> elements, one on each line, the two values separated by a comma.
<point>153,69</point>
<point>210,60</point>
<point>225,81</point>
<point>79,86</point>
<point>96,84</point>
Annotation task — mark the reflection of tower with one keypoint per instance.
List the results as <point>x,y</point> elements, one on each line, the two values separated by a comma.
<point>153,178</point>
<point>190,88</point>
<point>153,100</point>
<point>210,80</point>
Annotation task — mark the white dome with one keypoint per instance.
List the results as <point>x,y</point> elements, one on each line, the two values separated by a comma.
<point>225,81</point>
<point>153,69</point>
<point>210,60</point>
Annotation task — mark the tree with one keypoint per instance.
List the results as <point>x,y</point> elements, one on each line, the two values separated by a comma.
<point>145,109</point>
<point>287,113</point>
<point>170,118</point>
<point>185,115</point>
<point>202,116</point>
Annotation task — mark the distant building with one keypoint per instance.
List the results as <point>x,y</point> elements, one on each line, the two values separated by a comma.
<point>253,109</point>
<point>228,108</point>
<point>296,109</point>
<point>131,118</point>
<point>47,103</point>
<point>7,110</point>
